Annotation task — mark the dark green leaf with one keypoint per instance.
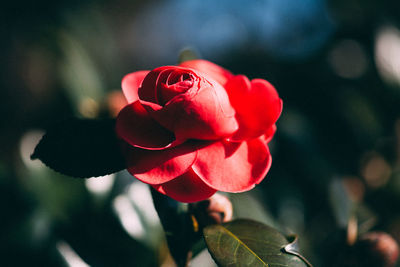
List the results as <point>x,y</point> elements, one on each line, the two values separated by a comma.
<point>249,243</point>
<point>81,148</point>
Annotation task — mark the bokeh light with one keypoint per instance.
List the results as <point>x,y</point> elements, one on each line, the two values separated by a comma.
<point>387,53</point>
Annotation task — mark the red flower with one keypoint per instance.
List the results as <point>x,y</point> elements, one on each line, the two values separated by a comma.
<point>195,128</point>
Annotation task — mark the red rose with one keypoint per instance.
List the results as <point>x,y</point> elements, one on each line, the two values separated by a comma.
<point>195,128</point>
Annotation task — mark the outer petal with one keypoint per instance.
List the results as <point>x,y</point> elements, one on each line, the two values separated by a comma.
<point>269,134</point>
<point>209,69</point>
<point>257,106</point>
<point>186,188</point>
<point>160,166</point>
<point>204,113</point>
<point>131,83</point>
<point>136,127</point>
<point>233,167</point>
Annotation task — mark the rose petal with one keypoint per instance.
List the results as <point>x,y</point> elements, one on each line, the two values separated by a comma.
<point>233,167</point>
<point>257,106</point>
<point>149,89</point>
<point>160,166</point>
<point>204,113</point>
<point>131,83</point>
<point>173,85</point>
<point>269,134</point>
<point>209,69</point>
<point>186,188</point>
<point>136,127</point>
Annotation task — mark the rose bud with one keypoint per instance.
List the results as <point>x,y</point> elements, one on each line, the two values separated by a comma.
<point>195,129</point>
<point>215,210</point>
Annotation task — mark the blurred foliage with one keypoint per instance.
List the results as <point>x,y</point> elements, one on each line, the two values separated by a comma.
<point>336,153</point>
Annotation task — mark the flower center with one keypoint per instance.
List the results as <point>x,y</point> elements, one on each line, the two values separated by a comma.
<point>177,83</point>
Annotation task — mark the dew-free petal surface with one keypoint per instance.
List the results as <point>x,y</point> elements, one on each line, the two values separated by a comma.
<point>149,89</point>
<point>269,134</point>
<point>160,166</point>
<point>131,83</point>
<point>204,114</point>
<point>233,166</point>
<point>186,188</point>
<point>215,72</point>
<point>135,126</point>
<point>257,105</point>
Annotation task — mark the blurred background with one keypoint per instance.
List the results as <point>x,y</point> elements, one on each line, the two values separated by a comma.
<point>336,154</point>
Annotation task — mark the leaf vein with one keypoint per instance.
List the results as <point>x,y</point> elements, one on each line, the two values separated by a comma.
<point>243,244</point>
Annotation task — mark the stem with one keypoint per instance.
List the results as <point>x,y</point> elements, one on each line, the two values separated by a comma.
<point>178,226</point>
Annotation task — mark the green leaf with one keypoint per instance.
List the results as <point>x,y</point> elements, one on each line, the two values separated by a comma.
<point>81,148</point>
<point>293,248</point>
<point>248,243</point>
